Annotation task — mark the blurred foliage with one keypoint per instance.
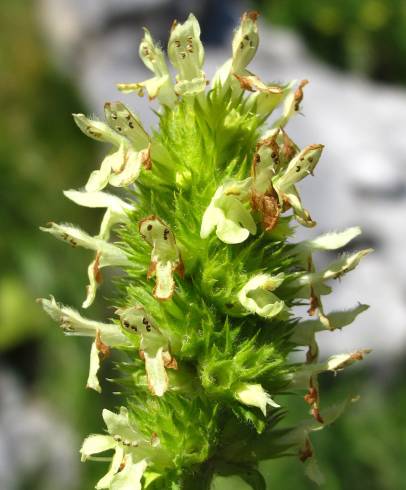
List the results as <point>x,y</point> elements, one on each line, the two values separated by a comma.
<point>366,36</point>
<point>41,153</point>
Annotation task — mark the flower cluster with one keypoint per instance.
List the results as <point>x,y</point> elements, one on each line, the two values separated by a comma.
<point>205,313</point>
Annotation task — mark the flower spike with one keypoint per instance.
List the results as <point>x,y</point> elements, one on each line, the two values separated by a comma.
<point>212,356</point>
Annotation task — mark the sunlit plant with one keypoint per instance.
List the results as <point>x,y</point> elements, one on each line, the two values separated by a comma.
<point>210,280</point>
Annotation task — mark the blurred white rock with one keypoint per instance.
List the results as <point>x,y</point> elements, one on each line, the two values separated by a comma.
<point>34,442</point>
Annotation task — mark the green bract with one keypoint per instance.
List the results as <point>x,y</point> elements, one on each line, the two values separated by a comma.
<point>205,318</point>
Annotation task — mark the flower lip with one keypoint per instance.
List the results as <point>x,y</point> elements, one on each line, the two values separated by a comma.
<point>165,256</point>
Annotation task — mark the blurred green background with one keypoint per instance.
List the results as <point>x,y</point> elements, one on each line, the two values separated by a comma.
<point>42,153</point>
<point>365,36</point>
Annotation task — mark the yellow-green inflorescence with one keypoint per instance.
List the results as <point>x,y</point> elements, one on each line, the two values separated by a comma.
<point>204,314</point>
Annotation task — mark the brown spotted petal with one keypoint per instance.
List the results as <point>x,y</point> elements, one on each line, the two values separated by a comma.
<point>292,104</point>
<point>252,83</point>
<point>165,256</point>
<point>154,346</point>
<point>268,207</point>
<point>160,85</point>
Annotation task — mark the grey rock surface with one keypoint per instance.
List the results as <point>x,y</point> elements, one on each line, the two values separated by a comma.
<point>34,442</point>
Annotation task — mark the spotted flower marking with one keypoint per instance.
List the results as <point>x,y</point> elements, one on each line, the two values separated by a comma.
<point>244,47</point>
<point>165,256</point>
<point>284,184</point>
<point>160,86</point>
<point>132,148</point>
<point>117,210</point>
<point>186,52</point>
<point>154,346</point>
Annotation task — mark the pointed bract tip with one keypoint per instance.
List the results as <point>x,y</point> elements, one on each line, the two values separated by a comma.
<point>174,24</point>
<point>251,14</point>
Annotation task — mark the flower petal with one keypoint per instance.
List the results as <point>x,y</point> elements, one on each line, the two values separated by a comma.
<point>131,169</point>
<point>159,86</point>
<point>95,444</point>
<point>99,200</point>
<point>98,179</point>
<point>256,295</point>
<point>211,217</point>
<point>156,373</point>
<point>190,87</point>
<point>245,42</point>
<point>117,209</point>
<point>165,256</point>
<point>229,231</point>
<point>254,395</point>
<point>126,123</point>
<point>130,477</point>
<point>291,105</point>
<point>300,378</point>
<point>165,284</point>
<point>112,255</point>
<point>304,333</point>
<point>97,130</point>
<point>300,167</point>
<point>92,380</point>
<point>227,214</point>
<point>72,323</point>
<point>252,83</point>
<point>335,270</point>
<point>106,480</point>
<point>302,215</point>
<point>119,426</point>
<point>266,101</point>
<point>135,321</point>
<point>328,241</point>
